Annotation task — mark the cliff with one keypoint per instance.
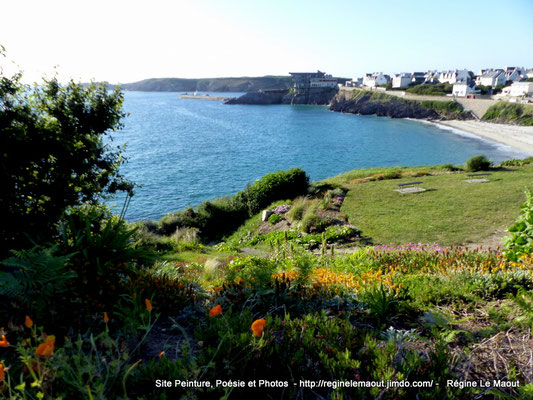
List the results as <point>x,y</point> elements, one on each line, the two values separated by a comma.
<point>267,97</point>
<point>383,105</point>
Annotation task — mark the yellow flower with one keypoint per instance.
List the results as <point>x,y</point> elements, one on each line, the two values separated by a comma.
<point>106,318</point>
<point>47,348</point>
<point>28,322</point>
<point>216,310</point>
<point>4,342</point>
<point>148,305</point>
<point>257,327</point>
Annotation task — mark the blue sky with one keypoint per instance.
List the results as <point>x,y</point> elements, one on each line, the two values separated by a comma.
<point>124,41</point>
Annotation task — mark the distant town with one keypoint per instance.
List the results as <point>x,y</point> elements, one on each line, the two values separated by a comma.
<point>510,83</point>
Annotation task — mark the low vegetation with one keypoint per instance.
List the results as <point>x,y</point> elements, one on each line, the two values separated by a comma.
<point>510,113</point>
<point>437,89</point>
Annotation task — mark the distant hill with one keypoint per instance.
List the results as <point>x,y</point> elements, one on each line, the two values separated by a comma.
<point>244,84</point>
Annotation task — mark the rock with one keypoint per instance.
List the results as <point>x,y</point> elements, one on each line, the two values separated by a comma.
<point>266,214</point>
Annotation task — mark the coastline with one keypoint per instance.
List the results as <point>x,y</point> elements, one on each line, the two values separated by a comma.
<point>515,136</point>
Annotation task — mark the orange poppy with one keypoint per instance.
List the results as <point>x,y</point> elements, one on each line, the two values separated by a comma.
<point>4,342</point>
<point>2,372</point>
<point>47,348</point>
<point>257,327</point>
<point>106,318</point>
<point>161,354</point>
<point>216,310</point>
<point>28,322</point>
<point>148,304</point>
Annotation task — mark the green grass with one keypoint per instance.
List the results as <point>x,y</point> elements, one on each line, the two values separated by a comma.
<point>450,212</point>
<point>521,114</point>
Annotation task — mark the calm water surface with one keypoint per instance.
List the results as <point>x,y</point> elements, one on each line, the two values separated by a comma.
<point>185,151</point>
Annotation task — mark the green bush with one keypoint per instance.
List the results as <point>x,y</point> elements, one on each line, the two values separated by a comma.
<point>477,163</point>
<point>274,219</point>
<point>451,167</point>
<point>520,239</point>
<point>503,111</point>
<point>310,219</point>
<point>296,212</point>
<point>275,186</point>
<point>517,162</point>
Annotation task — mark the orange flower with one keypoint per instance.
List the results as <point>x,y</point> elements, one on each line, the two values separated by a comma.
<point>47,348</point>
<point>4,342</point>
<point>161,354</point>
<point>28,322</point>
<point>257,327</point>
<point>106,318</point>
<point>2,372</point>
<point>216,310</point>
<point>148,305</point>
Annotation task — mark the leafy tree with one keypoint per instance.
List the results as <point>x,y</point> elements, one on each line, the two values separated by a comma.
<point>53,153</point>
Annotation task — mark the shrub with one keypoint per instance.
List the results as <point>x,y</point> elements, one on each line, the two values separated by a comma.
<point>34,279</point>
<point>520,239</point>
<point>274,219</point>
<point>275,186</point>
<point>477,163</point>
<point>310,219</point>
<point>297,210</point>
<point>451,167</point>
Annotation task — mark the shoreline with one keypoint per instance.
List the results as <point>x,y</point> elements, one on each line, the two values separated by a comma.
<point>518,137</point>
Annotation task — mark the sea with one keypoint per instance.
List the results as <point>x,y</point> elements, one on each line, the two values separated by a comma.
<point>181,152</point>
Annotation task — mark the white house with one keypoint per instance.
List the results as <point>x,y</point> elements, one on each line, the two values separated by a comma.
<point>453,76</point>
<point>401,80</point>
<point>463,89</point>
<point>529,74</point>
<point>513,74</point>
<point>354,82</point>
<point>518,89</point>
<point>492,78</point>
<point>375,79</point>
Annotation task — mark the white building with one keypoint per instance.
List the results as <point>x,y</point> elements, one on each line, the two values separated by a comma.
<point>326,81</point>
<point>453,76</point>
<point>375,79</point>
<point>463,89</point>
<point>518,89</point>
<point>491,78</point>
<point>354,82</point>
<point>401,80</point>
<point>513,74</point>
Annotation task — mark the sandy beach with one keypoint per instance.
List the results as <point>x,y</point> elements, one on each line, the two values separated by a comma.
<point>518,137</point>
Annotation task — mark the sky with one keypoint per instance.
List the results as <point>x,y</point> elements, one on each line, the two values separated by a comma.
<point>125,41</point>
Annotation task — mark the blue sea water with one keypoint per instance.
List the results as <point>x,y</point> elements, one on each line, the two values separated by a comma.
<point>186,151</point>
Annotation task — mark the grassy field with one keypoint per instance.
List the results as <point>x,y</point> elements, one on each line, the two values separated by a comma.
<point>451,211</point>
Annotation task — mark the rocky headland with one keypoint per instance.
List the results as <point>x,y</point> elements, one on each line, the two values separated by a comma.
<point>268,97</point>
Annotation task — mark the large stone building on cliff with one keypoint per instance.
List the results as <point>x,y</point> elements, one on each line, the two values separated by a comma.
<point>305,81</point>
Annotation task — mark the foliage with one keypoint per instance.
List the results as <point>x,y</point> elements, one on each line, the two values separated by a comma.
<point>513,113</point>
<point>448,106</point>
<point>297,210</point>
<point>53,153</point>
<point>478,163</point>
<point>517,162</point>
<point>104,254</point>
<point>274,219</point>
<point>438,89</point>
<point>36,280</point>
<point>451,168</point>
<point>224,215</point>
<point>310,220</point>
<point>520,240</point>
<point>275,186</point>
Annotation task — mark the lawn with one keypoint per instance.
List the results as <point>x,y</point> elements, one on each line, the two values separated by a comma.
<point>451,211</point>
